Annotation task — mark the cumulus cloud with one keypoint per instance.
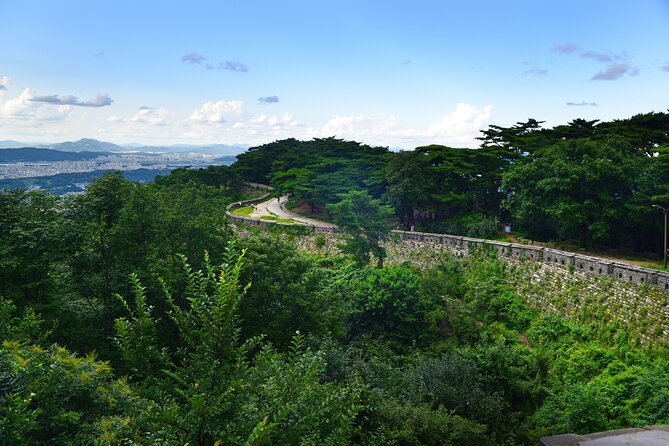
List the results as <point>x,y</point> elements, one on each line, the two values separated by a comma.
<point>215,112</point>
<point>24,108</point>
<point>193,58</point>
<point>461,126</point>
<point>535,71</point>
<point>365,128</point>
<point>100,100</point>
<point>269,125</point>
<point>463,122</point>
<point>268,99</point>
<point>20,105</point>
<point>582,104</point>
<point>613,72</point>
<point>5,81</point>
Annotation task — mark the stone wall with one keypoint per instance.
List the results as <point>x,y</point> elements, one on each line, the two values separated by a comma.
<point>512,251</point>
<point>592,266</point>
<point>587,289</point>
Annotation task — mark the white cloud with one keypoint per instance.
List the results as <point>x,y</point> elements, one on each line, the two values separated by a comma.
<point>272,126</point>
<point>23,108</point>
<point>19,105</point>
<point>216,112</point>
<point>462,124</point>
<point>460,127</point>
<point>146,115</point>
<point>361,127</point>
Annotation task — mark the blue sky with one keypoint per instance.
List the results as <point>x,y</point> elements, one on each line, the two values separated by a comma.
<point>392,73</point>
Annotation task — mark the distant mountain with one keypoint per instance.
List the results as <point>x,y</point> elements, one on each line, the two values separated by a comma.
<point>85,145</point>
<point>93,145</point>
<point>32,154</point>
<point>9,144</point>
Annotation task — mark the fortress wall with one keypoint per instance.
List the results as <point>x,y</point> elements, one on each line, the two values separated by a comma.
<point>548,256</point>
<point>574,286</point>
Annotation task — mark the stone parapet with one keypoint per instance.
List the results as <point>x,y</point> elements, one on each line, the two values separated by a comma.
<point>512,251</point>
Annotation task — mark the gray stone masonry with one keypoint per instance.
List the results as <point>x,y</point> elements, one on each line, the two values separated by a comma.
<point>644,436</point>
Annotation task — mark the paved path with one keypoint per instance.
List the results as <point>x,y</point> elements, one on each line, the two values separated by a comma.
<point>276,207</point>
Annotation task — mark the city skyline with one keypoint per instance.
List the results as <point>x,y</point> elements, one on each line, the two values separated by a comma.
<point>388,73</point>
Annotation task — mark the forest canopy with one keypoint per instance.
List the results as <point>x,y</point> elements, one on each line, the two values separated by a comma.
<point>589,182</point>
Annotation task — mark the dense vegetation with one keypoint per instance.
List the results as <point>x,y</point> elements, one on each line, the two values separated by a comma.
<point>589,182</point>
<point>133,314</point>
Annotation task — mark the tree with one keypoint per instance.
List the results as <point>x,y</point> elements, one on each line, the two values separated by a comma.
<point>30,248</point>
<point>410,183</point>
<point>282,299</point>
<point>362,220</point>
<point>212,389</point>
<point>388,303</point>
<point>579,186</point>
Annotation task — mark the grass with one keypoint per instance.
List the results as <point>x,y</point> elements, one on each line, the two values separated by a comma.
<point>277,219</point>
<point>654,266</point>
<point>243,212</point>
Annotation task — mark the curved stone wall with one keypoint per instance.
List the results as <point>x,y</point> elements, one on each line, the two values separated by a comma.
<point>511,251</point>
<point>554,257</point>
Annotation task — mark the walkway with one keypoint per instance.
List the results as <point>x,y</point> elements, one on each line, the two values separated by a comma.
<point>274,207</point>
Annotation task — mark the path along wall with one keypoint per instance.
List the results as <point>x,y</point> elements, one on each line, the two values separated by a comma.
<point>512,251</point>
<point>575,286</point>
<point>583,288</point>
<point>547,256</point>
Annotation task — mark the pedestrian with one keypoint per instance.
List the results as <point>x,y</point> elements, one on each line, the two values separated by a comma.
<point>413,228</point>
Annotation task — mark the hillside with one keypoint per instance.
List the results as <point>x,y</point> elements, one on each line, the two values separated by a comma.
<point>33,154</point>
<point>86,144</point>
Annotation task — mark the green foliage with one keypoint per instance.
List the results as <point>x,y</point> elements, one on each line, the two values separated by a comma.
<point>209,390</point>
<point>222,177</point>
<point>410,183</point>
<point>29,246</point>
<point>467,180</point>
<point>315,171</point>
<point>136,338</point>
<point>27,328</point>
<point>476,225</point>
<point>285,295</point>
<point>55,397</point>
<point>363,221</point>
<point>581,184</point>
<point>387,303</point>
<point>393,356</point>
<point>419,424</point>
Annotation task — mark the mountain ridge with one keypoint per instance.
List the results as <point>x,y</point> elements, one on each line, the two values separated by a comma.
<point>94,145</point>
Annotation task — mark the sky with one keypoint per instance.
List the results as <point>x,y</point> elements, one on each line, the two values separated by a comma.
<point>383,72</point>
